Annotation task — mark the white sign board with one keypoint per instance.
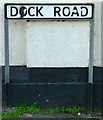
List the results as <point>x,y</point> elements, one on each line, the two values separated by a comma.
<point>48,11</point>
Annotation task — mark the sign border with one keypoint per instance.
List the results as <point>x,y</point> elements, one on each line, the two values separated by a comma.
<point>87,4</point>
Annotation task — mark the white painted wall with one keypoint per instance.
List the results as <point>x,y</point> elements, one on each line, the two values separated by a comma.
<point>17,42</point>
<point>102,34</point>
<point>97,35</point>
<point>1,36</point>
<point>58,44</point>
<point>19,32</point>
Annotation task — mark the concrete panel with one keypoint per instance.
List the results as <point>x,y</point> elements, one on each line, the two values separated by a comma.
<point>17,42</point>
<point>102,34</point>
<point>1,37</point>
<point>97,37</point>
<point>1,33</point>
<point>57,44</point>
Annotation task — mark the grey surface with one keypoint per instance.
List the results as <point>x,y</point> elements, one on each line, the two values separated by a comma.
<point>62,115</point>
<point>91,52</point>
<point>6,37</point>
<point>102,33</point>
<point>90,68</point>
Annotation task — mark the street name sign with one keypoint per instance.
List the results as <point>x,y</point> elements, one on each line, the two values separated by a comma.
<point>48,11</point>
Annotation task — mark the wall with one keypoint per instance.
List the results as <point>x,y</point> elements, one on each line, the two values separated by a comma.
<point>58,44</point>
<point>17,43</point>
<point>18,38</point>
<point>102,34</point>
<point>52,86</point>
<point>97,35</point>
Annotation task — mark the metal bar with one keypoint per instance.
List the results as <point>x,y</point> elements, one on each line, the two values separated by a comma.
<point>90,69</point>
<point>6,37</point>
<point>91,51</point>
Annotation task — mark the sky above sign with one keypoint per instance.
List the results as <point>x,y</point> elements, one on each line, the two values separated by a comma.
<point>49,11</point>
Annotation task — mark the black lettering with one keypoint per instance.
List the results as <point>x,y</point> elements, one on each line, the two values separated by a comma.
<point>75,11</point>
<point>66,13</point>
<point>23,11</point>
<point>16,11</point>
<point>29,11</point>
<point>86,11</point>
<point>38,11</point>
<point>57,11</point>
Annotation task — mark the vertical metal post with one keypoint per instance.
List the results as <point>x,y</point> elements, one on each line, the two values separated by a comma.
<point>90,70</point>
<point>6,37</point>
<point>91,51</point>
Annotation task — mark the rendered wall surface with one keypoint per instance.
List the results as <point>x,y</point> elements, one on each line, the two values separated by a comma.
<point>97,35</point>
<point>18,35</point>
<point>58,44</point>
<point>102,34</point>
<point>17,42</point>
